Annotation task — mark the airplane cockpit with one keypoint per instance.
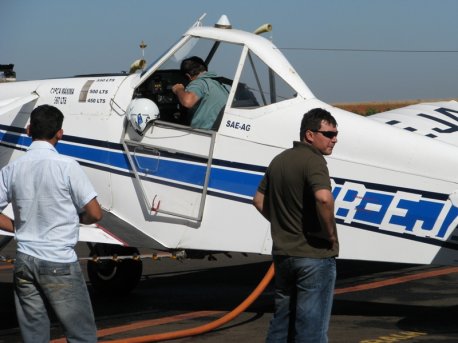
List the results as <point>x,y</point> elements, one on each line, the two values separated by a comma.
<point>158,88</point>
<point>256,84</point>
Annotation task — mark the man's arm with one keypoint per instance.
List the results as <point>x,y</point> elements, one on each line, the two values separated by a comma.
<point>6,223</point>
<point>187,99</point>
<point>325,210</point>
<point>92,212</point>
<point>258,202</point>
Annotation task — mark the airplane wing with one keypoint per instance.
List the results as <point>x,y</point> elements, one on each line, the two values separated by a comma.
<point>436,120</point>
<point>97,234</point>
<point>14,104</point>
<point>111,230</point>
<point>114,230</point>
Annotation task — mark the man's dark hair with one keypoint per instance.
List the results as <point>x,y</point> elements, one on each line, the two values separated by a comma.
<point>45,121</point>
<point>313,118</point>
<point>193,66</point>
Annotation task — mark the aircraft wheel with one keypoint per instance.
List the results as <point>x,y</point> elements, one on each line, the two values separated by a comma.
<point>114,277</point>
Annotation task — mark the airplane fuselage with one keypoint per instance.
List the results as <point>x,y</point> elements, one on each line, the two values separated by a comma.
<point>184,188</point>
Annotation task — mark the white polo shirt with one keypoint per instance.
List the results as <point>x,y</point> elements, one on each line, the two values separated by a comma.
<point>47,191</point>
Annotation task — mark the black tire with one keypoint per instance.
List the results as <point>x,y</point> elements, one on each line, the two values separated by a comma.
<point>111,277</point>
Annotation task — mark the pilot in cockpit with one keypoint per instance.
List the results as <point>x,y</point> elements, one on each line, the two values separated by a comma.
<point>205,96</point>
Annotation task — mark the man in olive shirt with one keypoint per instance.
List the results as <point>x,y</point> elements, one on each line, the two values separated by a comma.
<point>295,196</point>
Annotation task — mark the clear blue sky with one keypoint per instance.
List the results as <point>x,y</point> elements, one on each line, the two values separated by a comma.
<point>58,38</point>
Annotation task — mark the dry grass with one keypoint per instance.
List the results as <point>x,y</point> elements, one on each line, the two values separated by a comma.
<point>368,108</point>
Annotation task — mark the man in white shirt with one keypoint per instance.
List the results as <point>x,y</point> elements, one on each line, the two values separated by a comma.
<point>50,195</point>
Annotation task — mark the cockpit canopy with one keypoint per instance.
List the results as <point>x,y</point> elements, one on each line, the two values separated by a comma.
<point>252,69</point>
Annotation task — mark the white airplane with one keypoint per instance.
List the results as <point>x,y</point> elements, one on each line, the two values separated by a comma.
<point>169,187</point>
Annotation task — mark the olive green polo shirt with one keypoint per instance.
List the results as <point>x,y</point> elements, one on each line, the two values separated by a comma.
<point>288,187</point>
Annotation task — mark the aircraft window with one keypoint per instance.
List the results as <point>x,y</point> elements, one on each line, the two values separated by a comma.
<point>168,65</point>
<point>174,61</point>
<point>159,89</point>
<point>260,86</point>
<point>221,58</point>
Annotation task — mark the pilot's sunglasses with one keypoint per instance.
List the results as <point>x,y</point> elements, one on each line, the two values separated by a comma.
<point>327,134</point>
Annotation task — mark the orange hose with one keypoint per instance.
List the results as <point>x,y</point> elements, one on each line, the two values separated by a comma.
<point>209,326</point>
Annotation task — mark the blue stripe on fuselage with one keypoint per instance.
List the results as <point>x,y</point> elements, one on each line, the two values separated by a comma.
<point>175,170</point>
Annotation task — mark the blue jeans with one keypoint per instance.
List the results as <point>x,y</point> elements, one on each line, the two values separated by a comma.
<point>304,289</point>
<point>41,285</point>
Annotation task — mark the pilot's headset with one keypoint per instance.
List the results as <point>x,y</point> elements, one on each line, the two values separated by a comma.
<point>140,112</point>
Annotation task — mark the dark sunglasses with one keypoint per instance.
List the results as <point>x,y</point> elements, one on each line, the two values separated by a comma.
<point>327,134</point>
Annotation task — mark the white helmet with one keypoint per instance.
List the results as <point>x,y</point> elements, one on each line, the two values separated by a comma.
<point>140,112</point>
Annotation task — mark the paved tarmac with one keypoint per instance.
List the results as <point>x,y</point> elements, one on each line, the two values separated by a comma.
<point>374,302</point>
